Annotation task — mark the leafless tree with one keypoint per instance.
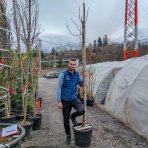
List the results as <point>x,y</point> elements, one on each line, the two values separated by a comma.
<point>29,14</point>
<point>30,29</point>
<point>82,34</point>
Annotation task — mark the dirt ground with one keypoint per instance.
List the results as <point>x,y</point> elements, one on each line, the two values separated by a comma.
<point>107,133</point>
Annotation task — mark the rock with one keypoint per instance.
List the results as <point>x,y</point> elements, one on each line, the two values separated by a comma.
<point>114,143</point>
<point>51,134</point>
<point>144,144</point>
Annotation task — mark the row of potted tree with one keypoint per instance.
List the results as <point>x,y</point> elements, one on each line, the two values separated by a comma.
<point>19,70</point>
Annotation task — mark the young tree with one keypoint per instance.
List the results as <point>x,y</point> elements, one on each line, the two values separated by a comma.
<point>82,35</point>
<point>5,58</point>
<point>28,14</point>
<point>17,28</point>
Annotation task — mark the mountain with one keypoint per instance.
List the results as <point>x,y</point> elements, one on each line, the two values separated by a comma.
<point>56,41</point>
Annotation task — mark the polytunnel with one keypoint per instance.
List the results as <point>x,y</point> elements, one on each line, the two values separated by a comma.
<point>103,73</point>
<point>127,95</point>
<point>123,89</point>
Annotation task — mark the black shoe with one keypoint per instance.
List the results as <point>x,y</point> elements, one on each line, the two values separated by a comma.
<point>68,140</point>
<point>73,120</point>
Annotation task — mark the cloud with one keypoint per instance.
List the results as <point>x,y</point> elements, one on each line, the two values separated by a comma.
<point>104,17</point>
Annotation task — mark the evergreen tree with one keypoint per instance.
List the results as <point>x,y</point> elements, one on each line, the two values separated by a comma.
<point>99,42</point>
<point>52,51</point>
<point>94,45</point>
<point>105,40</point>
<point>42,54</point>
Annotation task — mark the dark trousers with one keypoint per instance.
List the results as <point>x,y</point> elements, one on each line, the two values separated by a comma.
<point>67,106</point>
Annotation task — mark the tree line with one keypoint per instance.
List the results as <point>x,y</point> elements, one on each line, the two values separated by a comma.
<point>95,52</point>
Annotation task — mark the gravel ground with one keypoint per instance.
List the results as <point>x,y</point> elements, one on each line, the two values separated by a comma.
<point>107,133</point>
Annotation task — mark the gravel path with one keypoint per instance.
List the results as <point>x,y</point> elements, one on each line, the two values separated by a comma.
<point>107,133</point>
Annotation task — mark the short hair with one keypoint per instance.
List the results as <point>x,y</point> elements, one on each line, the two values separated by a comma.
<point>72,59</point>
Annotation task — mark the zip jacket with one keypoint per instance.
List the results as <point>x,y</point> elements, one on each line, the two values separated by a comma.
<point>67,85</point>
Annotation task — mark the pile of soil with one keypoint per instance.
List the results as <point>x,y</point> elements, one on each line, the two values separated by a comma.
<point>8,139</point>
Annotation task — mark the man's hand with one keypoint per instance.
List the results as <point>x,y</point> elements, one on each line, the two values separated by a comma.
<point>60,105</point>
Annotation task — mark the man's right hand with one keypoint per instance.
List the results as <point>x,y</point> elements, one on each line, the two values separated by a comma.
<point>60,105</point>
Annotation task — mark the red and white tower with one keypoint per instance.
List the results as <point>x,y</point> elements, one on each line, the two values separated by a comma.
<point>131,29</point>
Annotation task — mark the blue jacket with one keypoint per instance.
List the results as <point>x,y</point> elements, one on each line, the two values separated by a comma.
<point>67,85</point>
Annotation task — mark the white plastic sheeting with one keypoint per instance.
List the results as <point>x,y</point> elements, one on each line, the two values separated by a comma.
<point>103,75</point>
<point>127,95</point>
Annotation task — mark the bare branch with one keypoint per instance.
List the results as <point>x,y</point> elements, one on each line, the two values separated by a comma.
<point>80,17</point>
<point>28,14</point>
<point>87,14</point>
<point>76,26</point>
<point>16,22</point>
<point>71,32</point>
<point>5,26</point>
<point>23,34</point>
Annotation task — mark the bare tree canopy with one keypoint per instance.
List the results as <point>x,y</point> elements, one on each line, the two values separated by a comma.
<point>28,13</point>
<point>4,26</point>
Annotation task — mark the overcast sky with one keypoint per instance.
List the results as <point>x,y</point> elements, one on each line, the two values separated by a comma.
<point>105,17</point>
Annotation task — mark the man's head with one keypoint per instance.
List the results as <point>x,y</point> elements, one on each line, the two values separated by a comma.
<point>72,64</point>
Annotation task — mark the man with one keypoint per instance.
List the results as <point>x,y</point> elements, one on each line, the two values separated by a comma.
<point>67,96</point>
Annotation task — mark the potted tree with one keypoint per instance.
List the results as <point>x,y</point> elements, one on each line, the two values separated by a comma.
<point>5,66</point>
<point>17,98</point>
<point>5,102</point>
<point>23,117</point>
<point>83,131</point>
<point>36,117</point>
<point>29,33</point>
<point>19,71</point>
<point>90,98</point>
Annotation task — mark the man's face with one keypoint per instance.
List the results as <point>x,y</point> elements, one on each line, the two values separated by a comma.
<point>72,65</point>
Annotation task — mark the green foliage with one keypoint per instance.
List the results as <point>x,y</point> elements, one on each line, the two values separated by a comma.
<point>30,103</point>
<point>16,102</point>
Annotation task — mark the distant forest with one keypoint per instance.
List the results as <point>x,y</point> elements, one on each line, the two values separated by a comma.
<point>98,51</point>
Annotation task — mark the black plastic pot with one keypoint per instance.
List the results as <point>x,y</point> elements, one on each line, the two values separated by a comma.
<point>13,112</point>
<point>83,136</point>
<point>1,114</point>
<point>37,120</point>
<point>19,117</point>
<point>90,101</point>
<point>40,99</point>
<point>28,129</point>
<point>10,119</point>
<point>18,112</point>
<point>16,143</point>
